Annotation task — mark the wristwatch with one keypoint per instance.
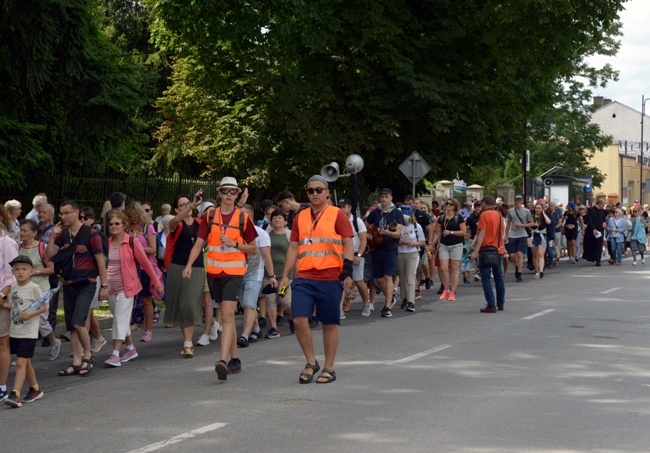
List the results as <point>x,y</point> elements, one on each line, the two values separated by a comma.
<point>357,254</point>
<point>273,276</point>
<point>105,285</point>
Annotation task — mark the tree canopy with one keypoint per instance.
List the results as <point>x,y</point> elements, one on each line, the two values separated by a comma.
<point>274,89</point>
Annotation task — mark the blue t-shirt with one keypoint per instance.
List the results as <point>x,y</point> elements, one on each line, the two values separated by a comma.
<point>555,217</point>
<point>383,220</point>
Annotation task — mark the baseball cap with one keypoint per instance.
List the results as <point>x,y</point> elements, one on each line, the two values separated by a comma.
<point>406,210</point>
<point>519,197</point>
<point>386,190</point>
<point>344,201</point>
<point>21,259</point>
<point>477,203</point>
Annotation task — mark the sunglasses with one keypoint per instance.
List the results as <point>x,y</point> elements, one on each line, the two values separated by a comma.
<point>85,217</point>
<point>147,210</point>
<point>228,191</point>
<point>318,190</point>
<point>449,204</point>
<point>115,224</point>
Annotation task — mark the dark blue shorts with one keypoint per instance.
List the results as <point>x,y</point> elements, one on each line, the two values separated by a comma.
<point>77,298</point>
<point>22,347</point>
<point>515,245</point>
<point>384,262</point>
<point>324,295</point>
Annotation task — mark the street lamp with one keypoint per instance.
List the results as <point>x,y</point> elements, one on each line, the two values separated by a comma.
<point>643,101</point>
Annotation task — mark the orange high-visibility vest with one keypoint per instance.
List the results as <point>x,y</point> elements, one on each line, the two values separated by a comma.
<point>221,258</point>
<point>319,246</point>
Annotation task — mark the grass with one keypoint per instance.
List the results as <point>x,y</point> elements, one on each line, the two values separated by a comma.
<point>101,312</point>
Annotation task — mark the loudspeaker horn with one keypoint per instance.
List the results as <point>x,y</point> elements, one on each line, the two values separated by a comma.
<point>330,172</point>
<point>548,182</point>
<point>354,163</point>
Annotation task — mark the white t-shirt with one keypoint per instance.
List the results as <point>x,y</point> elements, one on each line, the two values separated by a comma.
<point>362,229</point>
<point>24,298</point>
<point>410,234</point>
<point>255,269</point>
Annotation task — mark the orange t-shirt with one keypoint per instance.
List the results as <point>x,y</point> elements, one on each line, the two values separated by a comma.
<point>492,222</point>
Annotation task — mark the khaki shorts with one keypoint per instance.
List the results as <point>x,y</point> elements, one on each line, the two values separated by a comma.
<point>5,322</point>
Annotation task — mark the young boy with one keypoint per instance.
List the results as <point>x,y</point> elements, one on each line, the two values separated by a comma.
<point>26,304</point>
<point>466,263</point>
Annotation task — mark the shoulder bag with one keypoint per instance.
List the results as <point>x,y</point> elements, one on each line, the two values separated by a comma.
<point>489,256</point>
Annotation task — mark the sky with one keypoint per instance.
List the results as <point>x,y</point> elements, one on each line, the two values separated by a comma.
<point>633,58</point>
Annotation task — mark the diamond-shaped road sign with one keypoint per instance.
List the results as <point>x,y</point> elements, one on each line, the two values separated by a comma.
<point>414,167</point>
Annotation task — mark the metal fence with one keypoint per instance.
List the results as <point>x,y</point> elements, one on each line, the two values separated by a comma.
<point>94,190</point>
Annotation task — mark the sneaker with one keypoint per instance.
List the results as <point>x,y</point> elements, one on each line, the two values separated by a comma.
<point>365,311</point>
<point>643,261</point>
<point>65,336</point>
<point>147,336</point>
<point>233,367</point>
<point>54,350</point>
<point>418,295</point>
<point>254,336</point>
<point>214,331</point>
<point>466,281</point>
<point>488,309</point>
<point>204,340</point>
<point>393,301</point>
<point>279,321</point>
<point>444,295</point>
<point>518,277</point>
<point>98,344</point>
<point>428,284</point>
<point>113,360</point>
<point>441,290</point>
<point>33,395</point>
<point>272,333</point>
<point>537,275</point>
<point>261,321</point>
<point>372,306</point>
<point>386,313</point>
<point>633,263</point>
<point>404,303</point>
<point>3,395</point>
<point>222,370</point>
<point>452,297</point>
<point>422,282</point>
<point>341,314</point>
<point>129,355</point>
<point>500,307</point>
<point>478,277</point>
<point>242,342</point>
<point>13,400</point>
<point>410,307</point>
<point>395,291</point>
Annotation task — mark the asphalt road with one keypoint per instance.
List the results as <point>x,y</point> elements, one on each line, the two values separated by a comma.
<point>565,368</point>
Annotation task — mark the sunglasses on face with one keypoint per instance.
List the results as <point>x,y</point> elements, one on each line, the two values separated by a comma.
<point>84,217</point>
<point>147,210</point>
<point>318,190</point>
<point>228,191</point>
<point>449,204</point>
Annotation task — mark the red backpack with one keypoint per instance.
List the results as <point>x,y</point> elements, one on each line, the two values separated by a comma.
<point>171,242</point>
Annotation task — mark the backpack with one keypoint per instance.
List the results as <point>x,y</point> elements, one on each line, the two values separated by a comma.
<point>53,278</point>
<point>171,243</point>
<point>64,258</point>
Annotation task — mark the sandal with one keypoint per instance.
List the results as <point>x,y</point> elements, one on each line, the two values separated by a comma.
<point>66,372</point>
<point>328,379</point>
<point>88,368</point>
<point>309,376</point>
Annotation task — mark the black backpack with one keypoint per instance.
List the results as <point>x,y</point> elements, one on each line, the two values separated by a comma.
<point>64,258</point>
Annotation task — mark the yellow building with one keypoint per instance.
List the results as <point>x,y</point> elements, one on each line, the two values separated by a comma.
<point>621,161</point>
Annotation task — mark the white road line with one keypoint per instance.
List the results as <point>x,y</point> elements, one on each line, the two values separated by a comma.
<point>541,313</point>
<point>419,355</point>
<point>179,438</point>
<point>610,290</point>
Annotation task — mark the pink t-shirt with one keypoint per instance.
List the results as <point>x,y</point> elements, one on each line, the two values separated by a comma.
<point>142,238</point>
<point>114,271</point>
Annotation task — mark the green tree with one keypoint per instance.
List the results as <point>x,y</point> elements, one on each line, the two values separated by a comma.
<point>66,99</point>
<point>275,89</point>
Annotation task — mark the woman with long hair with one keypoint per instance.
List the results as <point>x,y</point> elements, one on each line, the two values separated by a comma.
<point>14,208</point>
<point>570,230</point>
<point>538,246</point>
<point>184,296</point>
<point>638,236</point>
<point>143,231</point>
<point>124,255</point>
<point>8,251</point>
<point>449,235</point>
<point>41,270</point>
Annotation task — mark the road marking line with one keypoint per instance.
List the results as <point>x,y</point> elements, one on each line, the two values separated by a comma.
<point>419,355</point>
<point>610,290</point>
<point>179,438</point>
<point>541,313</point>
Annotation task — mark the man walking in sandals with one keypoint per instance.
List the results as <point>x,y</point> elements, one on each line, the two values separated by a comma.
<point>321,245</point>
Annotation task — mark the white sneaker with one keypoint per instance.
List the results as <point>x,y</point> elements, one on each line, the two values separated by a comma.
<point>537,275</point>
<point>342,314</point>
<point>214,331</point>
<point>203,340</point>
<point>54,350</point>
<point>633,263</point>
<point>372,306</point>
<point>642,260</point>
<point>365,311</point>
<point>98,344</point>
